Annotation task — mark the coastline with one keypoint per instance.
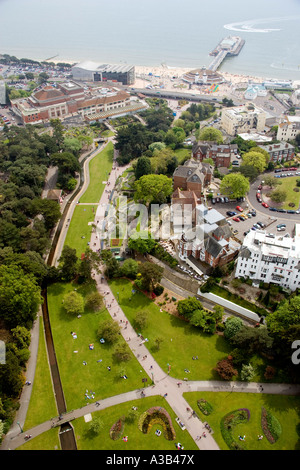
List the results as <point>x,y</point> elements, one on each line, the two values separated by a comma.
<point>162,76</point>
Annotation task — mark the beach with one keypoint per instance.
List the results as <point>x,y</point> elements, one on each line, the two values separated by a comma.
<point>171,78</point>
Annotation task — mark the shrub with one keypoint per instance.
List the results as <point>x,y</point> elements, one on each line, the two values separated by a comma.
<point>158,290</point>
<point>204,406</point>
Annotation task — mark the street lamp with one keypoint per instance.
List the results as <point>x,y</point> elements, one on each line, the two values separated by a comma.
<point>19,426</point>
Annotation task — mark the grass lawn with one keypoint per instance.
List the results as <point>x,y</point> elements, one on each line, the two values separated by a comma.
<point>285,408</point>
<point>99,167</point>
<point>181,341</point>
<point>49,440</point>
<point>42,404</point>
<point>76,377</point>
<point>79,227</point>
<point>136,439</point>
<point>288,184</point>
<point>181,154</point>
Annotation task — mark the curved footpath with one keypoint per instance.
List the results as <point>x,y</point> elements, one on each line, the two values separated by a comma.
<point>164,385</point>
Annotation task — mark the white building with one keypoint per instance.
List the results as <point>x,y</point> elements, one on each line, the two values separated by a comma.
<point>254,90</point>
<point>288,127</point>
<point>97,72</point>
<point>268,258</point>
<point>242,119</point>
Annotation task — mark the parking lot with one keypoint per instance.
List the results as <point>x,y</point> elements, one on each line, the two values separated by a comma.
<point>270,220</point>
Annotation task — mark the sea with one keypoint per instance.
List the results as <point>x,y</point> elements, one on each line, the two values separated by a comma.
<point>176,33</point>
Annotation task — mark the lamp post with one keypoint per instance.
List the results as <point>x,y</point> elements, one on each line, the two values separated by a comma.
<point>19,426</point>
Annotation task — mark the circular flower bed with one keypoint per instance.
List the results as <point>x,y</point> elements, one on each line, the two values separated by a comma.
<point>157,415</point>
<point>228,423</point>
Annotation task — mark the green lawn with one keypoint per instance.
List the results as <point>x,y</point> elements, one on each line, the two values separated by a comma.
<point>79,227</point>
<point>285,408</point>
<point>288,184</point>
<point>76,377</point>
<point>136,439</point>
<point>181,340</point>
<point>181,154</point>
<point>42,404</point>
<point>99,167</point>
<point>49,440</point>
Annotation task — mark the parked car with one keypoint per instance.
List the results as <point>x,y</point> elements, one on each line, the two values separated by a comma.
<point>259,187</point>
<point>246,233</point>
<point>280,225</point>
<point>236,219</point>
<point>238,208</point>
<point>213,201</point>
<point>264,204</point>
<point>291,212</point>
<point>281,210</point>
<point>226,199</point>
<point>230,213</point>
<point>261,224</point>
<point>281,229</point>
<point>273,209</point>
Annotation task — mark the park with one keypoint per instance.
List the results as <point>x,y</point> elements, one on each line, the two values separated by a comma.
<point>95,374</point>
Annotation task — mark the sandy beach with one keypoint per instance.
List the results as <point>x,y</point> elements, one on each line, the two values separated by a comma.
<point>170,78</point>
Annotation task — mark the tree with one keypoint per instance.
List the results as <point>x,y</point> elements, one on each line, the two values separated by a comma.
<point>271,181</point>
<point>188,306</point>
<point>96,425</point>
<point>286,316</point>
<point>151,274</point>
<point>74,303</point>
<point>129,268</point>
<point>109,330</point>
<point>143,167</point>
<point>153,189</point>
<point>278,195</point>
<point>255,159</point>
<point>94,301</point>
<point>68,263</point>
<point>225,369</point>
<point>211,134</point>
<point>247,372</point>
<point>143,244</point>
<point>21,337</point>
<point>234,185</point>
<point>157,342</point>
<point>122,353</point>
<point>20,296</point>
<point>50,210</point>
<point>141,320</point>
<point>232,326</point>
<point>253,340</point>
<point>90,262</point>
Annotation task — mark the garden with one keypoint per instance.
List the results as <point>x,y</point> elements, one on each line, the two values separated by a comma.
<point>249,421</point>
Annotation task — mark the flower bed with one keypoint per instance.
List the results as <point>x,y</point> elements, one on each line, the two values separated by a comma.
<point>117,429</point>
<point>204,406</point>
<point>228,422</point>
<point>270,425</point>
<point>157,415</point>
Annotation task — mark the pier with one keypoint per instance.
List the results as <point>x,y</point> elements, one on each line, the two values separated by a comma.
<point>229,46</point>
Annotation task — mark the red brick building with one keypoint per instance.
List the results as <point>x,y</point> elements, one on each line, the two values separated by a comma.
<point>221,154</point>
<point>52,102</point>
<point>192,176</point>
